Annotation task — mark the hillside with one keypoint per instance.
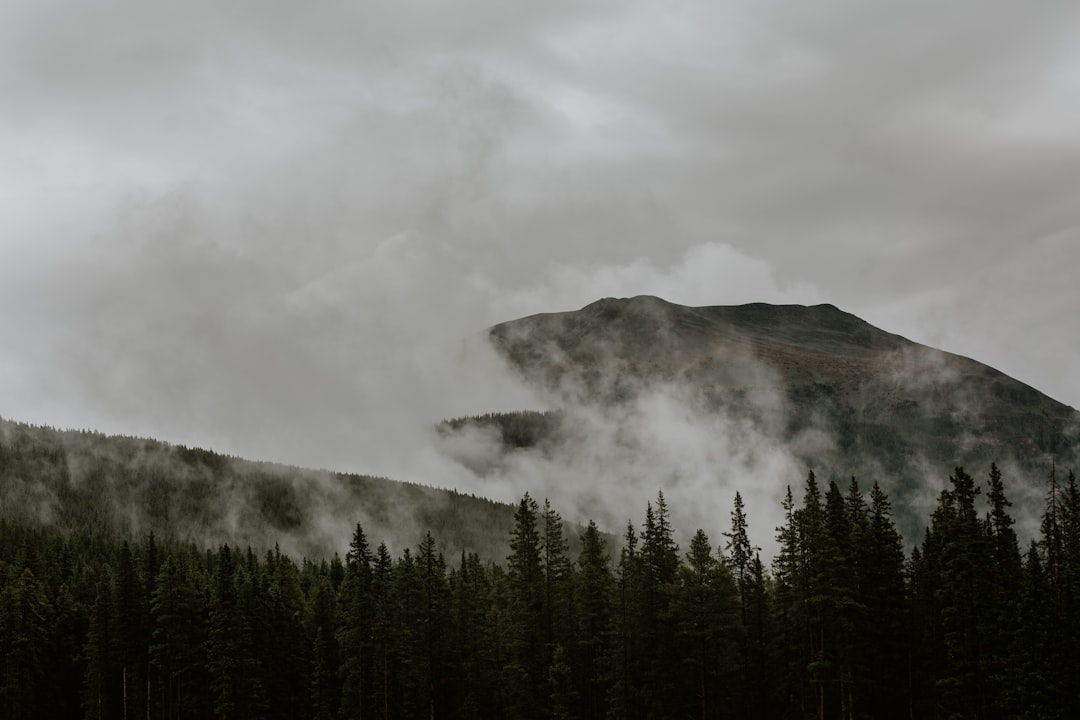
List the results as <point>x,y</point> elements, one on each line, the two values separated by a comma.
<point>113,486</point>
<point>876,405</point>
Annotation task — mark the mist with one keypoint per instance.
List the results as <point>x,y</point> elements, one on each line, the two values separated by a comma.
<point>278,232</point>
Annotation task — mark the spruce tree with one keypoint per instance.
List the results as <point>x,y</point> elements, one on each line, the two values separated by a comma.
<point>528,657</point>
<point>594,590</point>
<point>884,627</point>
<point>748,573</point>
<point>354,628</point>
<point>25,616</point>
<point>630,647</point>
<point>660,565</point>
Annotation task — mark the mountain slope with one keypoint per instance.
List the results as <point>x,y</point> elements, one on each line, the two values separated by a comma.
<point>108,485</point>
<point>886,407</point>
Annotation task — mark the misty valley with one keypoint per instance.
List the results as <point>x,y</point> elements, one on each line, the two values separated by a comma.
<point>755,511</point>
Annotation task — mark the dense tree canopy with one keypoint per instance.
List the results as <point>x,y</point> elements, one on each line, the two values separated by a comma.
<point>842,624</point>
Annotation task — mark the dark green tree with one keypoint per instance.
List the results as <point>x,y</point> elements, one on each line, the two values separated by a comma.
<point>883,630</point>
<point>528,657</point>
<point>748,572</point>
<point>629,649</point>
<point>705,602</point>
<point>178,639</point>
<point>354,628</point>
<point>594,601</point>
<point>25,617</point>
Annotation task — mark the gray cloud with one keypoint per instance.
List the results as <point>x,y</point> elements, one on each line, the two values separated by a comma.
<point>263,227</point>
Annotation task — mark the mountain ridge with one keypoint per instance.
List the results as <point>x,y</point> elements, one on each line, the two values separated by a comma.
<point>890,407</point>
<point>765,329</point>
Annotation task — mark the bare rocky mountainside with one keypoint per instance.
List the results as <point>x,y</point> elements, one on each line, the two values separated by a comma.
<point>846,397</point>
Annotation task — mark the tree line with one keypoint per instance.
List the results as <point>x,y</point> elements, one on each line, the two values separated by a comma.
<point>841,623</point>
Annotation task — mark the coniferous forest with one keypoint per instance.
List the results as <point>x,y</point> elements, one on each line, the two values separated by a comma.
<point>840,623</point>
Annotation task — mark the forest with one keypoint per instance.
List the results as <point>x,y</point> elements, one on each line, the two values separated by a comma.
<point>840,623</point>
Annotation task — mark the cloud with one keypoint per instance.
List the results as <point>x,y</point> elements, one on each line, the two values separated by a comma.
<point>612,460</point>
<point>265,228</point>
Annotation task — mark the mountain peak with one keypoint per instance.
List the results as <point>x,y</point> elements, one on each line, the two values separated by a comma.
<point>887,401</point>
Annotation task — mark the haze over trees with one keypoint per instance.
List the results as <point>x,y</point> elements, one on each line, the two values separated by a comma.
<point>839,623</point>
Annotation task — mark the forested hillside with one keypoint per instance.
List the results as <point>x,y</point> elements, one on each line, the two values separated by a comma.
<point>839,624</point>
<point>108,486</point>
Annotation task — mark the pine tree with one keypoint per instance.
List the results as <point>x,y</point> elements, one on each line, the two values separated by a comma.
<point>629,647</point>
<point>469,602</point>
<point>1070,588</point>
<point>558,581</point>
<point>383,639</point>
<point>748,573</point>
<point>959,550</point>
<point>660,565</point>
<point>130,639</point>
<point>325,655</point>
<point>1041,679</point>
<point>594,590</point>
<point>178,637</point>
<point>226,644</point>
<point>354,629</point>
<point>286,642</point>
<point>788,607</point>
<point>433,620</point>
<point>101,694</point>
<point>528,658</point>
<point>1004,582</point>
<point>25,616</point>
<point>838,607</point>
<point>410,689</point>
<point>884,627</point>
<point>810,526</point>
<point>705,608</point>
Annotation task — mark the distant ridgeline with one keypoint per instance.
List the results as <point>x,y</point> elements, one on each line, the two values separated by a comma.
<point>98,485</point>
<point>842,623</point>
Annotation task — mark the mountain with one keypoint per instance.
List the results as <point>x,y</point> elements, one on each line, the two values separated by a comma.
<point>880,406</point>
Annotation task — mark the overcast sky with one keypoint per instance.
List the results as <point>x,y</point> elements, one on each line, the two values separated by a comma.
<point>259,226</point>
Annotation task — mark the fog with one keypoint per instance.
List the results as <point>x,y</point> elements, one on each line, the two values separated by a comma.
<point>276,231</point>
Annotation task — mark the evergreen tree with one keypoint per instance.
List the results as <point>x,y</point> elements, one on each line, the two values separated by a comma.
<point>286,640</point>
<point>594,590</point>
<point>469,593</point>
<point>660,563</point>
<point>1070,582</point>
<point>705,608</point>
<point>527,652</point>
<point>788,607</point>
<point>1041,681</point>
<point>25,617</point>
<point>325,654</point>
<point>748,573</point>
<point>629,647</point>
<point>883,651</point>
<point>101,694</point>
<point>958,549</point>
<point>434,618</point>
<point>383,638</point>
<point>1004,582</point>
<point>130,640</point>
<point>354,630</point>
<point>178,637</point>
<point>558,582</point>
